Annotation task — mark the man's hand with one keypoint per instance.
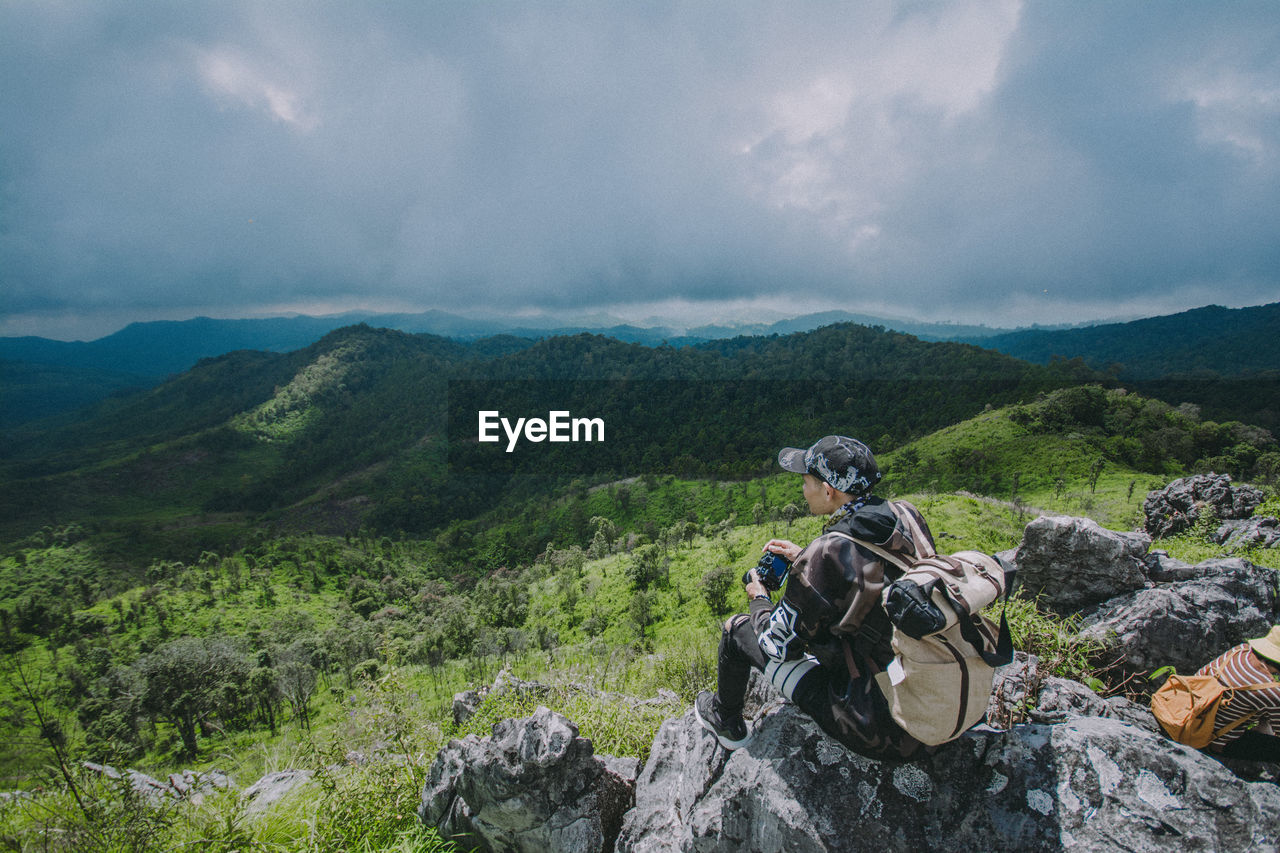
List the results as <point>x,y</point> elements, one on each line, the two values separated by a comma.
<point>755,588</point>
<point>784,548</point>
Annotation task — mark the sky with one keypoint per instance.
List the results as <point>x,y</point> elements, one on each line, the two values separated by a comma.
<point>996,162</point>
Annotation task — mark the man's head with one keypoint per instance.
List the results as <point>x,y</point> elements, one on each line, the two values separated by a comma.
<point>836,468</point>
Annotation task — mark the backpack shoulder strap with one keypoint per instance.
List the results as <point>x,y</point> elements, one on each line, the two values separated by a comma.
<point>902,561</point>
<point>905,513</point>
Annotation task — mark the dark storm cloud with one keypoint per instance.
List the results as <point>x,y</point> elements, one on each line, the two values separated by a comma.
<point>985,161</point>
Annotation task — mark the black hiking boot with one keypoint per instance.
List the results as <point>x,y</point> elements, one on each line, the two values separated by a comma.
<point>732,732</point>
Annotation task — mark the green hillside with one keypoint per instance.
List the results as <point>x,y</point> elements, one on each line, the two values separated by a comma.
<point>324,645</point>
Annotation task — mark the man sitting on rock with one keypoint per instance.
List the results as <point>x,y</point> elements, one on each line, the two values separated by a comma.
<point>1254,662</point>
<point>822,645</point>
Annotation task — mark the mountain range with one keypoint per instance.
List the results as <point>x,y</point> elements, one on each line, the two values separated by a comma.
<point>1221,341</point>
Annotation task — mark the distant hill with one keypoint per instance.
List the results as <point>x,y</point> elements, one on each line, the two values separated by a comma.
<point>164,347</point>
<point>32,391</point>
<point>1225,342</point>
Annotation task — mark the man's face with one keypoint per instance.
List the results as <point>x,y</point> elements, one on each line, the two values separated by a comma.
<point>815,494</point>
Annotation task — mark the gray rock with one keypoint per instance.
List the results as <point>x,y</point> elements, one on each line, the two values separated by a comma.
<point>1085,784</point>
<point>465,705</point>
<point>1179,505</point>
<point>1013,691</point>
<point>1162,568</point>
<point>534,785</point>
<point>1261,532</point>
<point>1059,699</point>
<point>1188,623</point>
<point>1074,563</point>
<point>505,683</point>
<point>148,788</point>
<point>626,769</point>
<point>272,788</point>
<point>194,786</point>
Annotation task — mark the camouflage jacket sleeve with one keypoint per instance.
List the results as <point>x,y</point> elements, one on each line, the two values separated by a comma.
<point>809,605</point>
<point>835,584</point>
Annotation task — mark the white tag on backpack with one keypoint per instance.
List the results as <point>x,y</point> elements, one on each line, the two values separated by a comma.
<point>896,673</point>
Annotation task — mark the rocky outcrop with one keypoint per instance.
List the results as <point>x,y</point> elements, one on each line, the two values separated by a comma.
<point>1087,783</point>
<point>1189,622</point>
<point>1180,504</point>
<point>1074,563</point>
<point>534,785</point>
<point>1259,532</point>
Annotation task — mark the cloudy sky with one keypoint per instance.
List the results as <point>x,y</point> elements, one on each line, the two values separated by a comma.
<point>994,162</point>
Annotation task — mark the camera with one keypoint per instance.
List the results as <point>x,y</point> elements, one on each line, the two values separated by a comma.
<point>772,571</point>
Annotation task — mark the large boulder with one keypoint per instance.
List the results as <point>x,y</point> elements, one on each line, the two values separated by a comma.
<point>534,785</point>
<point>1085,784</point>
<point>1179,505</point>
<point>1188,623</point>
<point>1059,699</point>
<point>1074,562</point>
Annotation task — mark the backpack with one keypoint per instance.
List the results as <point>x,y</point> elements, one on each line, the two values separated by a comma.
<point>946,651</point>
<point>1186,706</point>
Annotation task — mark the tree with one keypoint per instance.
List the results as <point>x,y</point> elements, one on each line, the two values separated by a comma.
<point>646,566</point>
<point>264,685</point>
<point>791,512</point>
<point>606,533</point>
<point>641,610</point>
<point>190,681</point>
<point>298,685</point>
<point>109,716</point>
<point>715,586</point>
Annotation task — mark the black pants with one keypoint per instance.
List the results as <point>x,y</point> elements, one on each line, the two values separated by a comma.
<point>1253,746</point>
<point>853,711</point>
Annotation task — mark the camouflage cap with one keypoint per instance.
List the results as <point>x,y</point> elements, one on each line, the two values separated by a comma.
<point>844,463</point>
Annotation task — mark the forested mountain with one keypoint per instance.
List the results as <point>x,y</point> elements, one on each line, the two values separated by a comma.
<point>366,426</point>
<point>1211,341</point>
<point>31,391</point>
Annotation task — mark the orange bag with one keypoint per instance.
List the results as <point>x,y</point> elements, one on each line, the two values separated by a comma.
<point>1186,706</point>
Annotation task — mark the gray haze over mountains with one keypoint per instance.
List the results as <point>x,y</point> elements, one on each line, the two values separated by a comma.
<point>994,161</point>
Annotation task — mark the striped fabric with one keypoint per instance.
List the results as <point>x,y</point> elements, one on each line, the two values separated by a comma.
<point>1235,668</point>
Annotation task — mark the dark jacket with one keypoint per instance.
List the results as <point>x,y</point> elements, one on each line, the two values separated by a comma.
<point>834,588</point>
<point>832,598</point>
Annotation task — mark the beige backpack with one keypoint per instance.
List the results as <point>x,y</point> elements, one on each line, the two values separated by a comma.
<point>946,651</point>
